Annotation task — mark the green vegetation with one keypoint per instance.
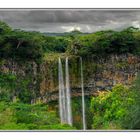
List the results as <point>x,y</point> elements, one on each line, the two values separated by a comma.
<point>18,116</point>
<point>7,86</point>
<point>117,109</point>
<point>77,112</point>
<point>132,121</point>
<point>11,85</point>
<point>110,108</point>
<point>20,45</point>
<point>103,43</point>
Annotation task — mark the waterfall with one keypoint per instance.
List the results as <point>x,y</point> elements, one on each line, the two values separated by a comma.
<point>64,94</point>
<point>83,96</point>
<point>62,103</point>
<point>68,98</point>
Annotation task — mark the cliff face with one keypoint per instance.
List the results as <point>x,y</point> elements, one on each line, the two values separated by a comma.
<point>99,74</point>
<point>113,70</point>
<point>27,76</point>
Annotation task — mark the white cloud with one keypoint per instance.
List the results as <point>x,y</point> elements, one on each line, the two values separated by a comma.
<point>112,22</point>
<point>88,27</point>
<point>136,24</point>
<point>71,28</point>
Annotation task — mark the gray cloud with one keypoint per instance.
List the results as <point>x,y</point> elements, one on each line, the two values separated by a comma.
<point>66,20</point>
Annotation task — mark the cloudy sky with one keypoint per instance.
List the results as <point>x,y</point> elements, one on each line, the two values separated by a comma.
<point>57,20</point>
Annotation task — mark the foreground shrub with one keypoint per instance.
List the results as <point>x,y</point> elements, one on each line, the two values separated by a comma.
<point>111,108</point>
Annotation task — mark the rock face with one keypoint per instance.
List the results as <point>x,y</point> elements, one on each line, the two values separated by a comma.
<point>99,74</point>
<point>27,73</point>
<point>122,69</point>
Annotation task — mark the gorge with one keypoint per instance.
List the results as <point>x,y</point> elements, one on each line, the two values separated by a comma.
<point>75,81</point>
<point>99,75</point>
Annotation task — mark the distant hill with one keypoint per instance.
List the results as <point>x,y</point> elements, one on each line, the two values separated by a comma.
<point>65,33</point>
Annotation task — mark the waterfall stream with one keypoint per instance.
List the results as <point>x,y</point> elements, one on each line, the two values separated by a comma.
<point>69,114</point>
<point>62,105</point>
<point>83,96</point>
<point>64,94</point>
<point>65,97</point>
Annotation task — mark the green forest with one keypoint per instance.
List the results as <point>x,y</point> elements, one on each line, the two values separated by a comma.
<point>117,108</point>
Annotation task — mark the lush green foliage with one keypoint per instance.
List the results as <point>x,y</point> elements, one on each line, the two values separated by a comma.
<point>56,44</point>
<point>18,116</point>
<point>21,45</point>
<point>7,86</point>
<point>106,42</point>
<point>11,85</point>
<point>77,112</point>
<point>4,28</point>
<point>132,121</point>
<point>117,109</point>
<point>110,108</point>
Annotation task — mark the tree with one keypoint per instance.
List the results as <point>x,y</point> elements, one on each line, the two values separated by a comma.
<point>132,121</point>
<point>4,28</point>
<point>111,108</point>
<point>22,45</point>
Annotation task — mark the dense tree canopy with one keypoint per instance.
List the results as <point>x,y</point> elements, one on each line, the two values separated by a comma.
<point>106,42</point>
<point>117,109</point>
<point>22,45</point>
